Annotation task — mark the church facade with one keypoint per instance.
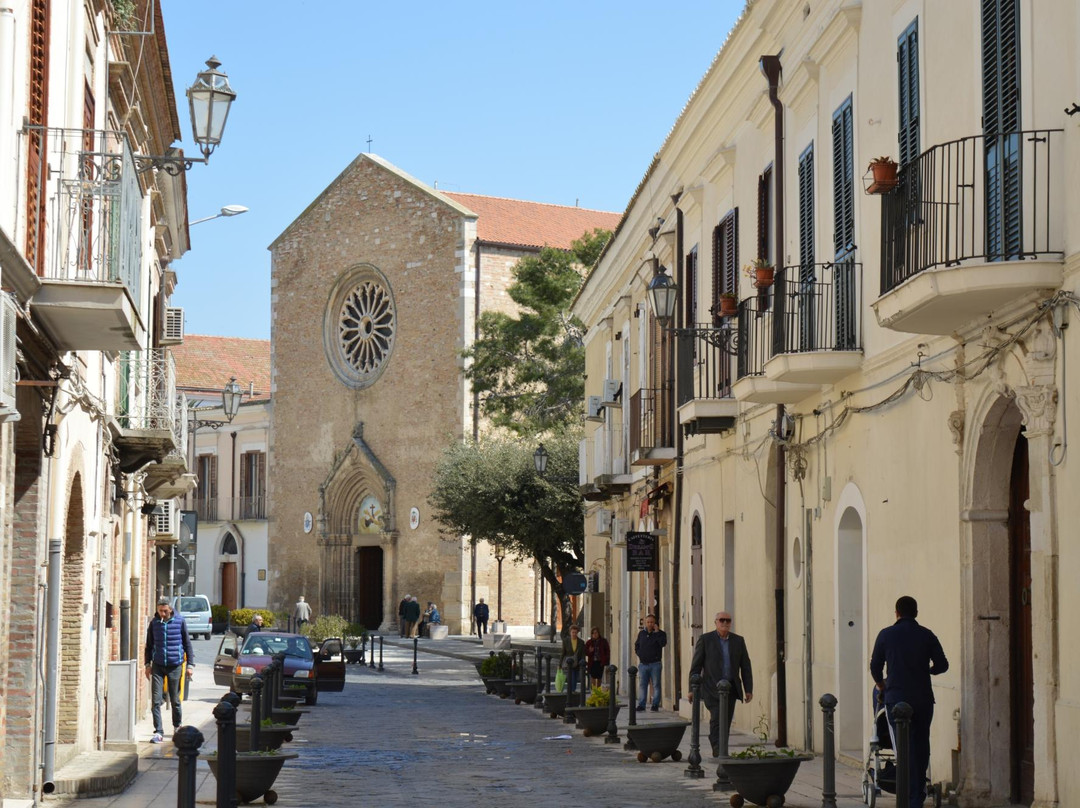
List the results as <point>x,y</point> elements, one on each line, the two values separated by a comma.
<point>376,290</point>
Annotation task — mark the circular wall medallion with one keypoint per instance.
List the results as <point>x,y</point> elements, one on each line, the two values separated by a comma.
<point>359,326</point>
<point>414,518</point>
<point>371,515</point>
<point>309,522</point>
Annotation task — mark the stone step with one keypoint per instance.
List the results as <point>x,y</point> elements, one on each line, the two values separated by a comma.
<point>96,774</point>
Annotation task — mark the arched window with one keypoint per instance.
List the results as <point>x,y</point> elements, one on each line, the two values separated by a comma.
<point>228,545</point>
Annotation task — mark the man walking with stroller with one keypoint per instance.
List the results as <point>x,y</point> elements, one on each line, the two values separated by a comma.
<point>911,654</point>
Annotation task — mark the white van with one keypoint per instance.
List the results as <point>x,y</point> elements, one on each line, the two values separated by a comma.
<point>195,609</point>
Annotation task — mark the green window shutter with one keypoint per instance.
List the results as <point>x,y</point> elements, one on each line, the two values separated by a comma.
<point>907,69</point>
<point>843,180</point>
<point>725,260</point>
<point>806,208</point>
<point>1001,127</point>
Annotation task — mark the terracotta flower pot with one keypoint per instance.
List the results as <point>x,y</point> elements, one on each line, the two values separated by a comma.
<point>763,276</point>
<point>729,307</point>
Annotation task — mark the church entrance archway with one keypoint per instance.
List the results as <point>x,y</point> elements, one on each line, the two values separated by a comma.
<point>369,587</point>
<point>1021,678</point>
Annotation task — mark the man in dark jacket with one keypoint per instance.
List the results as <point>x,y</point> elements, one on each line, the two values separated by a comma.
<point>167,647</point>
<point>254,626</point>
<point>412,617</point>
<point>401,614</point>
<point>649,647</point>
<point>912,654</point>
<point>480,614</point>
<point>721,656</point>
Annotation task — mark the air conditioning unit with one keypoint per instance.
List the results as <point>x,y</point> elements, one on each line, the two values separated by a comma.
<point>166,521</point>
<point>596,410</point>
<point>603,521</point>
<point>172,327</point>
<point>612,396</point>
<point>8,317</point>
<point>618,531</point>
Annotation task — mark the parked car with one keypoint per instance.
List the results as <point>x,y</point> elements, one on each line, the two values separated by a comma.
<point>239,658</point>
<point>195,609</point>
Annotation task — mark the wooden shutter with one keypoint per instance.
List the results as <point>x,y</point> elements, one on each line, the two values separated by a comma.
<point>806,209</point>
<point>843,180</point>
<point>907,72</point>
<point>690,284</point>
<point>1001,126</point>
<point>37,108</point>
<point>725,260</point>
<point>764,213</point>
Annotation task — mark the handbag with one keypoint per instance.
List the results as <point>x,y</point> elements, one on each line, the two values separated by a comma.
<point>560,681</point>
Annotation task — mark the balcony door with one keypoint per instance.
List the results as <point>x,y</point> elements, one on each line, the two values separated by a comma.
<point>1001,128</point>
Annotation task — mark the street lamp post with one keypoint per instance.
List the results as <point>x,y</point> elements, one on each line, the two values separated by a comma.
<point>500,554</point>
<point>227,211</point>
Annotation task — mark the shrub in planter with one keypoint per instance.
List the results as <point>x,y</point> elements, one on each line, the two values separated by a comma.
<point>325,626</point>
<point>497,666</point>
<point>600,697</point>
<point>242,617</point>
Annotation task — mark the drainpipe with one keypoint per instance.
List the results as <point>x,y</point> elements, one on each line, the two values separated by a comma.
<point>676,526</point>
<point>125,575</point>
<point>771,68</point>
<point>232,512</point>
<point>476,438</point>
<point>52,664</point>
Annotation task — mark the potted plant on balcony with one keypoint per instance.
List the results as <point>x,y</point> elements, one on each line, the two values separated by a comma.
<point>729,305</point>
<point>761,272</point>
<point>883,171</point>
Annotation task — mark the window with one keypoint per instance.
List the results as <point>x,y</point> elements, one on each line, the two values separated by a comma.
<point>725,274</point>
<point>37,106</point>
<point>252,485</point>
<point>907,72</point>
<point>690,284</point>
<point>765,222</point>
<point>843,181</point>
<point>807,270</point>
<point>206,494</point>
<point>1001,127</point>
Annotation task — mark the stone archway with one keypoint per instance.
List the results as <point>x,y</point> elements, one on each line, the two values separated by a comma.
<point>71,616</point>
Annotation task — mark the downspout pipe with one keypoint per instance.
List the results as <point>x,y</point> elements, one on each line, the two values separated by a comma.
<point>52,665</point>
<point>772,70</point>
<point>476,438</point>
<point>676,526</point>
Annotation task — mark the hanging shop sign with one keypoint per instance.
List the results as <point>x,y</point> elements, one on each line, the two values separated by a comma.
<point>642,551</point>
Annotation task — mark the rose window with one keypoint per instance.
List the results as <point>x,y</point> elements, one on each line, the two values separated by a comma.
<point>366,327</point>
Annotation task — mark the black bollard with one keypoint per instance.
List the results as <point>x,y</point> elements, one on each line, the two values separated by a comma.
<point>187,741</point>
<point>571,695</point>
<point>902,721</point>
<point>723,692</point>
<point>693,768</point>
<point>225,713</point>
<point>414,644</point>
<point>583,682</point>
<point>543,686</point>
<point>233,698</point>
<point>632,720</point>
<point>256,710</point>
<point>828,775</point>
<point>372,665</point>
<point>613,708</point>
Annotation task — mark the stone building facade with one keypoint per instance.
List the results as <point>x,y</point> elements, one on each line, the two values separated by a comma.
<point>374,296</point>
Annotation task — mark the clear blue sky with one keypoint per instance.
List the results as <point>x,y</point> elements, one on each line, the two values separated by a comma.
<point>552,101</point>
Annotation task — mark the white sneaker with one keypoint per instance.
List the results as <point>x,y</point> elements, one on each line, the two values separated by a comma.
<point>156,738</point>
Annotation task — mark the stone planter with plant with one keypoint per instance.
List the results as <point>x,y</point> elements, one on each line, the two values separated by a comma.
<point>762,775</point>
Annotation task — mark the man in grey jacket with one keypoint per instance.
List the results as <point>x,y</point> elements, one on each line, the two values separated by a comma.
<point>721,656</point>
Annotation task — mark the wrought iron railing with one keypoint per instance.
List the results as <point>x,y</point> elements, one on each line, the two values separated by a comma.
<point>146,393</point>
<point>703,355</point>
<point>983,198</point>
<point>821,308</point>
<point>89,217</point>
<point>207,509</point>
<point>250,507</point>
<point>650,419</point>
<point>755,336</point>
<point>605,450</point>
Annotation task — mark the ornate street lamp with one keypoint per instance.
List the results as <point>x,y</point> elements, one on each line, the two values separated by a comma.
<point>663,292</point>
<point>231,396</point>
<point>209,99</point>
<point>500,554</point>
<point>540,459</point>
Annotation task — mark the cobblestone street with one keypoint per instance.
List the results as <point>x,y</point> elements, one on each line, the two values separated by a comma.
<point>393,738</point>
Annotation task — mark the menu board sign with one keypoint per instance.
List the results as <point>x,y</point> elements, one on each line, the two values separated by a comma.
<point>641,551</point>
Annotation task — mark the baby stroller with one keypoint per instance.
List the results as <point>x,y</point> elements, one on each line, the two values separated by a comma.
<point>879,775</point>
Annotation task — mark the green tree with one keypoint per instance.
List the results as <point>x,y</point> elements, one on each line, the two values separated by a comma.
<point>489,491</point>
<point>529,369</point>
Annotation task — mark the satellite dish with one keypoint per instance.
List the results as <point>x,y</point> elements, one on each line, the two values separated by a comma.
<point>181,571</point>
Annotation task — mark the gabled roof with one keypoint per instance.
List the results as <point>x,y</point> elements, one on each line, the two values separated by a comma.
<point>205,363</point>
<point>531,224</point>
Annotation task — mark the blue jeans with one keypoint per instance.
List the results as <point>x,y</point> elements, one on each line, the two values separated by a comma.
<point>157,685</point>
<point>648,671</point>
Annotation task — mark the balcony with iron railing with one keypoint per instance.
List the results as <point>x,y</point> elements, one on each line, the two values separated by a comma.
<point>249,507</point>
<point>171,477</point>
<point>149,414</point>
<point>972,225</point>
<point>703,360</point>
<point>758,343</point>
<point>84,226</point>
<point>651,434</point>
<point>206,508</point>
<point>819,309</point>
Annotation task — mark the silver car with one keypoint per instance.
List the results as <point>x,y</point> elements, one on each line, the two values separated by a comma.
<point>195,609</point>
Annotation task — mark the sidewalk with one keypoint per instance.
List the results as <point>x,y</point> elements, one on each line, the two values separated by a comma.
<point>156,782</point>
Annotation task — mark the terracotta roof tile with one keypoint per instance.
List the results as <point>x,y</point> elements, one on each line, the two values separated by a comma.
<point>531,224</point>
<point>205,363</point>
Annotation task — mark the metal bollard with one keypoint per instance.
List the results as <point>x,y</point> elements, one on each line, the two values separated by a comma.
<point>225,713</point>
<point>571,696</point>
<point>187,741</point>
<point>543,686</point>
<point>902,721</point>
<point>613,708</point>
<point>414,644</point>
<point>723,691</point>
<point>632,720</point>
<point>372,665</point>
<point>583,682</point>
<point>256,709</point>
<point>380,652</point>
<point>233,698</point>
<point>828,775</point>
<point>693,768</point>
<point>539,662</point>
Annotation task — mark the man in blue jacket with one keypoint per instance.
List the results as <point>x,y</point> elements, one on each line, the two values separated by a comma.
<point>167,647</point>
<point>911,654</point>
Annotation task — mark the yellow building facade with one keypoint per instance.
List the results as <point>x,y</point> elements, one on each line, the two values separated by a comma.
<point>888,414</point>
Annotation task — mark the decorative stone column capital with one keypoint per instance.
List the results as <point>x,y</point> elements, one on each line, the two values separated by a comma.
<point>1038,406</point>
